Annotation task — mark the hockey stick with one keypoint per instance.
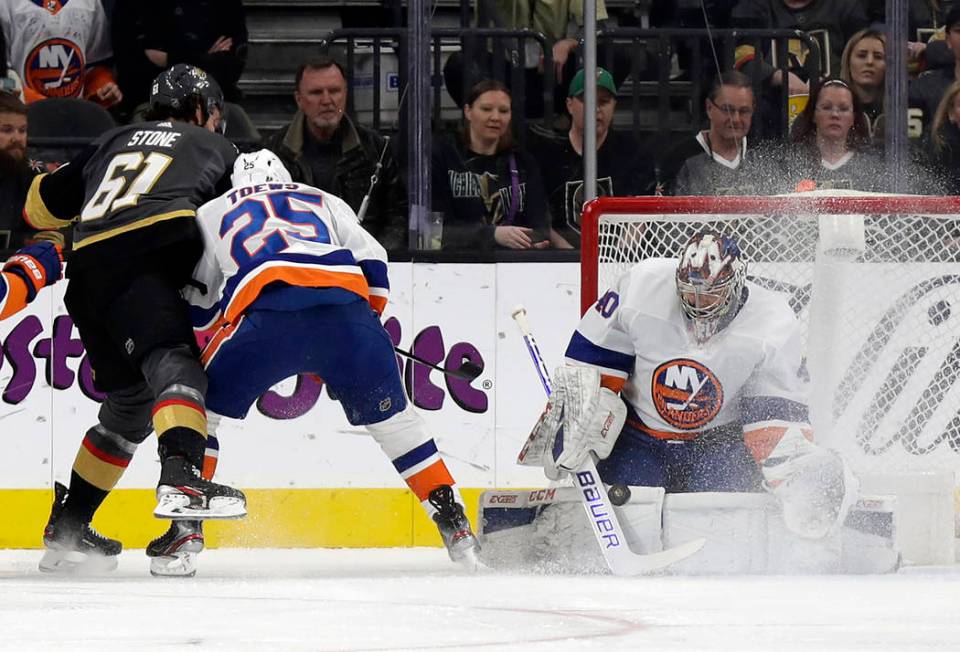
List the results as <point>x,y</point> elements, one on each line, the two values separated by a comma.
<point>600,513</point>
<point>467,370</point>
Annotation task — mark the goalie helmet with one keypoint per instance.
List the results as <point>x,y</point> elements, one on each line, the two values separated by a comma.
<point>261,166</point>
<point>710,280</point>
<point>177,90</point>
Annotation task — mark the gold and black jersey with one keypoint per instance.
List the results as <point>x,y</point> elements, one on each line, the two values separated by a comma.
<point>135,189</point>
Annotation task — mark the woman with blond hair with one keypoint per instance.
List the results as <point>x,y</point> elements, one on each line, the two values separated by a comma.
<point>863,67</point>
<point>943,146</point>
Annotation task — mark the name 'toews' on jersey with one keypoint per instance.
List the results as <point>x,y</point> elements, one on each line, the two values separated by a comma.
<point>281,234</point>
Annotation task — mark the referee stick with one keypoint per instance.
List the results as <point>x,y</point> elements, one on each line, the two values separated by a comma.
<point>596,503</point>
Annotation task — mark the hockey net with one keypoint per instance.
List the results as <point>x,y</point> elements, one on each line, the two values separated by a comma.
<point>875,280</point>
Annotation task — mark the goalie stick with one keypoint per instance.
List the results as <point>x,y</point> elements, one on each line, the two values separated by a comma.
<point>596,503</point>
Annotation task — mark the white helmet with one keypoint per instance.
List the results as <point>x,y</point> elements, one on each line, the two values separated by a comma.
<point>261,166</point>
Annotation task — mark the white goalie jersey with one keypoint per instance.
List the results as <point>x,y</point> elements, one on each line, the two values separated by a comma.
<point>750,372</point>
<point>288,233</point>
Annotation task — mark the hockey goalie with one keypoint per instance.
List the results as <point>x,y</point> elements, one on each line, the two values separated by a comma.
<point>686,382</point>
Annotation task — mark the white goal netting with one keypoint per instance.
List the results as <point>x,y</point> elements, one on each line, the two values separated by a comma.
<point>875,280</point>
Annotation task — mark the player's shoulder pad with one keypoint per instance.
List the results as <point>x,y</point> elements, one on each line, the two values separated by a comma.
<point>768,313</point>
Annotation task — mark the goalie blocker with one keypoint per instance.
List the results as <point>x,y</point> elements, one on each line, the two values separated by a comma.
<point>545,530</point>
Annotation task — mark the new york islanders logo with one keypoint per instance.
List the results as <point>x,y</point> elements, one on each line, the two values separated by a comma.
<point>687,394</point>
<point>54,68</point>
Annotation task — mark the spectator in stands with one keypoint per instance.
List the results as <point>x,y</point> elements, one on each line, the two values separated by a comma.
<point>829,22</point>
<point>943,146</point>
<point>714,162</point>
<point>831,138</point>
<point>149,37</point>
<point>60,49</point>
<point>924,18</point>
<point>925,92</point>
<point>9,79</point>
<point>323,147</point>
<point>561,21</point>
<point>490,191</point>
<point>16,173</point>
<point>623,168</point>
<point>864,68</point>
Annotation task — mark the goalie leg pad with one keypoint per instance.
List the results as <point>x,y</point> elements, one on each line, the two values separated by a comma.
<point>546,530</point>
<point>734,525</point>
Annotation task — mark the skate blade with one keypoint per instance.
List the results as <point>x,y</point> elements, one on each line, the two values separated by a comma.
<point>178,507</point>
<point>180,564</point>
<point>71,562</point>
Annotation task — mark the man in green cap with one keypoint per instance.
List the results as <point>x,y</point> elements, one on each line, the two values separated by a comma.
<point>621,170</point>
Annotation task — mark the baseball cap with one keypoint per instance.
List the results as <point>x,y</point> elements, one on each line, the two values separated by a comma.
<point>604,80</point>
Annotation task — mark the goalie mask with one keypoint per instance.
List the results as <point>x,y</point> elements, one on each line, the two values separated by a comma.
<point>261,166</point>
<point>710,280</point>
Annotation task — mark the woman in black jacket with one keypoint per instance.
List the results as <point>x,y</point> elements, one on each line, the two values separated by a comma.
<point>490,192</point>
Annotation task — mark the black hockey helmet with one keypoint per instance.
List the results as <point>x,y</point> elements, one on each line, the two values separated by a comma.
<point>181,88</point>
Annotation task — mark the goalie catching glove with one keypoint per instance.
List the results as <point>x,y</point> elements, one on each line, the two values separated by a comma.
<point>815,486</point>
<point>581,417</point>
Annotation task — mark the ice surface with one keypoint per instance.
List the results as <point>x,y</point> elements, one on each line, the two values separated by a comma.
<point>415,599</point>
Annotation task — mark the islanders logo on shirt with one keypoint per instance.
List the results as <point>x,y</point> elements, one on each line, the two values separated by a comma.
<point>54,68</point>
<point>686,393</point>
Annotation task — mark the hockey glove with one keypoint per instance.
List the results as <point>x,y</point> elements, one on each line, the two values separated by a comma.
<point>39,265</point>
<point>581,417</point>
<point>814,486</point>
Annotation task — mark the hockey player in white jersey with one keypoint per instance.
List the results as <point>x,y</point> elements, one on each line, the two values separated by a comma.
<point>690,378</point>
<point>293,284</point>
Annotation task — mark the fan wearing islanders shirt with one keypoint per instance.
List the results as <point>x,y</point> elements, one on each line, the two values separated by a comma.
<point>296,285</point>
<point>60,48</point>
<point>709,366</point>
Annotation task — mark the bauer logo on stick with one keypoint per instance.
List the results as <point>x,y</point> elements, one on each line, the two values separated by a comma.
<point>687,394</point>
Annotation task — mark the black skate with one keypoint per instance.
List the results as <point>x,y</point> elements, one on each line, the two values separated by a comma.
<point>74,547</point>
<point>462,545</point>
<point>184,495</point>
<point>174,554</point>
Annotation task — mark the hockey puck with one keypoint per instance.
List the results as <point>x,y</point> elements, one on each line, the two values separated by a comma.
<point>619,494</point>
<point>939,312</point>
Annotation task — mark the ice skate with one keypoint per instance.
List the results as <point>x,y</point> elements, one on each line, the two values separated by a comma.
<point>174,553</point>
<point>74,547</point>
<point>184,495</point>
<point>462,545</point>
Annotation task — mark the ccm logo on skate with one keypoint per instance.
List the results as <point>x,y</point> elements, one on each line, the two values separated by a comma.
<point>687,394</point>
<point>542,496</point>
<point>599,509</point>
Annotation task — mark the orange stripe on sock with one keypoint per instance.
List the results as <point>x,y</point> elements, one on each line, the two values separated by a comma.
<point>209,467</point>
<point>425,481</point>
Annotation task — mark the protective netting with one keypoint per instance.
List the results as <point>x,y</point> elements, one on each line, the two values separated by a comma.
<point>879,304</point>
